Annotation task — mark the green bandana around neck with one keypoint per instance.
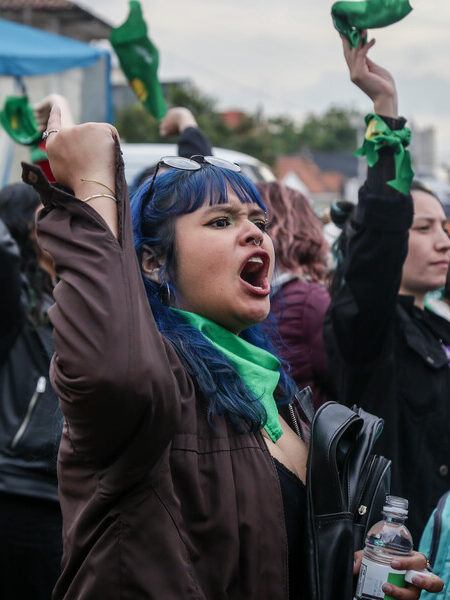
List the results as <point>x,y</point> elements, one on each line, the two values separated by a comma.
<point>350,18</point>
<point>379,135</point>
<point>258,368</point>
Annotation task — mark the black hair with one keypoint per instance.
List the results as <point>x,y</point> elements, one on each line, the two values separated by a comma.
<point>18,204</point>
<point>342,214</point>
<point>420,187</point>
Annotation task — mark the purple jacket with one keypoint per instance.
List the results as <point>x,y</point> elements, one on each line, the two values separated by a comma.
<point>299,307</point>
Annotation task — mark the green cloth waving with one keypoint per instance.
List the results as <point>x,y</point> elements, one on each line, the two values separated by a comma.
<point>257,368</point>
<point>17,118</point>
<point>351,17</point>
<point>379,135</point>
<point>139,60</point>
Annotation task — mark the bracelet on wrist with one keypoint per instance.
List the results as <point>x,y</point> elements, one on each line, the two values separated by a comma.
<point>378,136</point>
<point>99,196</point>
<point>98,183</point>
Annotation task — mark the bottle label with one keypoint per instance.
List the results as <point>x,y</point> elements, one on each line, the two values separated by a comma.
<point>372,577</point>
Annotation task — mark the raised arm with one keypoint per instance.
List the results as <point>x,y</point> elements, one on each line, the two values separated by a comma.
<point>82,159</point>
<point>362,312</point>
<point>180,121</point>
<point>375,81</point>
<point>112,369</point>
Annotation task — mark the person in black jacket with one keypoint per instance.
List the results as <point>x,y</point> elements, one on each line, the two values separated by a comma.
<point>389,354</point>
<point>192,141</point>
<point>30,418</point>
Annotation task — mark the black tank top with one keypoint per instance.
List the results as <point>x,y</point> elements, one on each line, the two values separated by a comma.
<point>293,492</point>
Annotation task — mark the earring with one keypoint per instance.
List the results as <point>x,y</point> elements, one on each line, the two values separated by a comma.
<point>165,293</point>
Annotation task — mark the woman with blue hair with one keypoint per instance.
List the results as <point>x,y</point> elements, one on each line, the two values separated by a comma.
<point>181,473</point>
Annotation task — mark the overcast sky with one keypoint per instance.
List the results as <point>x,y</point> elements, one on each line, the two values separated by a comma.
<point>284,56</point>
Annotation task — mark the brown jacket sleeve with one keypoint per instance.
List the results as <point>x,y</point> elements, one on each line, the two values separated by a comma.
<point>112,370</point>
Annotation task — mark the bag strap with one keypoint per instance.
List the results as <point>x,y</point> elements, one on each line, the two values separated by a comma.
<point>334,430</point>
<point>371,430</point>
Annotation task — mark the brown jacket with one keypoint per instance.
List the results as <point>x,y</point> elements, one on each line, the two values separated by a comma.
<point>156,504</point>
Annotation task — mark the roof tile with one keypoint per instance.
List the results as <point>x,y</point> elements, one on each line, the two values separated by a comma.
<point>316,181</point>
<point>38,4</point>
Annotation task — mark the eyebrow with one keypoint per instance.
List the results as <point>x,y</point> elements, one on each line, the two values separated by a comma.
<point>430,219</point>
<point>233,209</point>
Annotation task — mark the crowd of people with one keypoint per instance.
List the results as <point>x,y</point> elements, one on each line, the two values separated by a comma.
<point>184,323</point>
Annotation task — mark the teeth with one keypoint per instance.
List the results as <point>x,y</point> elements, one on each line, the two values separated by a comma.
<point>255,259</point>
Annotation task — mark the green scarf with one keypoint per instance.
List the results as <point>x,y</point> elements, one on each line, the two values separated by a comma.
<point>139,60</point>
<point>378,135</point>
<point>350,18</point>
<point>17,118</point>
<point>258,368</point>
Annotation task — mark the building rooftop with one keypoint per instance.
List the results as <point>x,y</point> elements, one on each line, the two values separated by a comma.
<point>58,16</point>
<point>316,180</point>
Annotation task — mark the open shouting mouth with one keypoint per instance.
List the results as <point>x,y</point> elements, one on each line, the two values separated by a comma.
<point>254,273</point>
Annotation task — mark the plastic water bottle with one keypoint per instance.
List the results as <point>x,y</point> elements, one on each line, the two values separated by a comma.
<point>386,540</point>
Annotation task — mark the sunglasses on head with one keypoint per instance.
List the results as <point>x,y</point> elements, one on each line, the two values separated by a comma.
<point>191,164</point>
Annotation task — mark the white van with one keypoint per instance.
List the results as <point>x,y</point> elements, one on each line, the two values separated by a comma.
<point>138,157</point>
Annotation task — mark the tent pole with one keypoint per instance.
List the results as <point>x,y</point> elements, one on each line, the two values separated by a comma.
<point>19,85</point>
<point>9,160</point>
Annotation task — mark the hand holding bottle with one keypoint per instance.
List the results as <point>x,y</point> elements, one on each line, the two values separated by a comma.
<point>388,556</point>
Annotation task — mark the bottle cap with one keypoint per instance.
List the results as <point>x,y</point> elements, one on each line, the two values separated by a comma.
<point>396,505</point>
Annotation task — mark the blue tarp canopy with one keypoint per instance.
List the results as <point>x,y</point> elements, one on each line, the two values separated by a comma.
<point>28,51</point>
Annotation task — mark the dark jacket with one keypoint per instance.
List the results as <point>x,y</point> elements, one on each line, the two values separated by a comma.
<point>30,419</point>
<point>193,141</point>
<point>387,355</point>
<point>299,307</point>
<point>156,504</point>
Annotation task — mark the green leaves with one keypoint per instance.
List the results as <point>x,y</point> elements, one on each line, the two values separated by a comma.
<point>332,131</point>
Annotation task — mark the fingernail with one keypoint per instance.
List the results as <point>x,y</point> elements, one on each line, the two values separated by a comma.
<point>418,580</point>
<point>396,564</point>
<point>387,589</point>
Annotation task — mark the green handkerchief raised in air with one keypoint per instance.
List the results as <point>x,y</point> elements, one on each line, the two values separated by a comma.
<point>139,60</point>
<point>17,118</point>
<point>350,18</point>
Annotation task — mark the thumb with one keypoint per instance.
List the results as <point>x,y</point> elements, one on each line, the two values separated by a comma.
<point>357,562</point>
<point>54,119</point>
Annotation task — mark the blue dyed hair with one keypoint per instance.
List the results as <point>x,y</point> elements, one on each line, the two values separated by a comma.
<point>175,193</point>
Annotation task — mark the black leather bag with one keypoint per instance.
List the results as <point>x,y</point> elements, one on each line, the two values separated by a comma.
<point>346,487</point>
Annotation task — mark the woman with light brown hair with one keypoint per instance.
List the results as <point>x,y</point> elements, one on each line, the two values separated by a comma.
<point>301,298</point>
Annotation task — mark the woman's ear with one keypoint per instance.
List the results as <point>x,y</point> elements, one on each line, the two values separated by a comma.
<point>151,264</point>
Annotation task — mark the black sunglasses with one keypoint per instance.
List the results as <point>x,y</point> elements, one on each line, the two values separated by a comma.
<point>191,164</point>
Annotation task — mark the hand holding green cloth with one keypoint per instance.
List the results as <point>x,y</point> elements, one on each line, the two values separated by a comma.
<point>350,18</point>
<point>139,60</point>
<point>379,135</point>
<point>17,118</point>
<point>258,368</point>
